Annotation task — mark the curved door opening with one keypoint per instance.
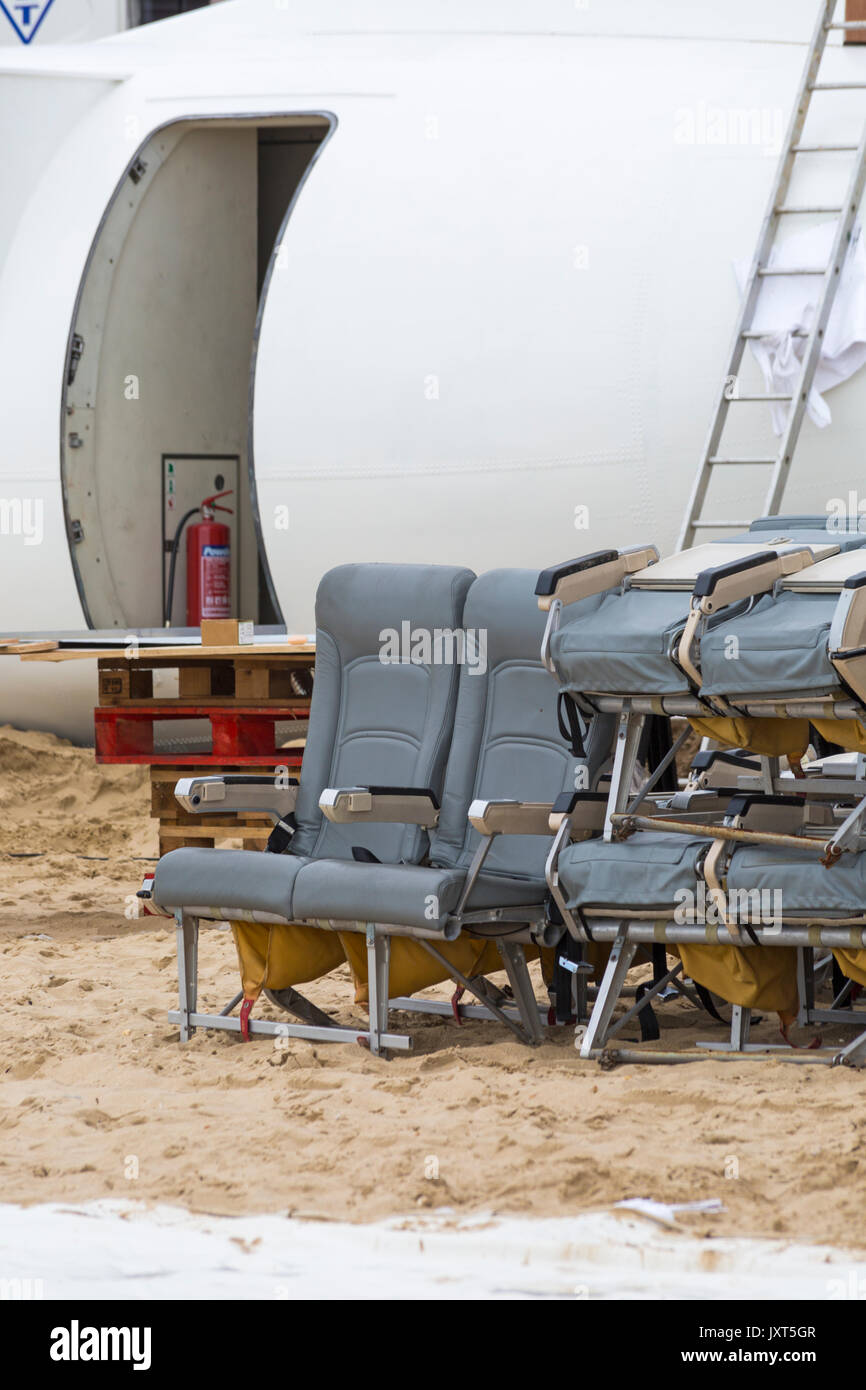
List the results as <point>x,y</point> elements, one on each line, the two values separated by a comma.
<point>157,398</point>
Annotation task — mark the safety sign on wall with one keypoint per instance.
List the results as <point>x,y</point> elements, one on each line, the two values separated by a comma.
<point>25,16</point>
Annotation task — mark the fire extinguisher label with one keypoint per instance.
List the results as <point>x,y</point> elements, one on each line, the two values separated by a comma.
<point>216,581</point>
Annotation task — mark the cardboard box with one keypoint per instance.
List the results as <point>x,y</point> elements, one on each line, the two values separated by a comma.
<point>226,632</point>
<point>855,10</point>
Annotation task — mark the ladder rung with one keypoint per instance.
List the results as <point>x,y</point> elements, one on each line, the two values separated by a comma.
<point>793,270</point>
<point>715,461</point>
<point>765,333</point>
<point>768,396</point>
<point>824,149</point>
<point>847,24</point>
<point>721,525</point>
<point>784,209</point>
<point>836,86</point>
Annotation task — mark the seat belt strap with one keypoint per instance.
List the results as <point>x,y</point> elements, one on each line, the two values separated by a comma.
<point>571,726</point>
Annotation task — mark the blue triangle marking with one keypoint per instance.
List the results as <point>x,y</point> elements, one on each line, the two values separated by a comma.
<point>31,12</point>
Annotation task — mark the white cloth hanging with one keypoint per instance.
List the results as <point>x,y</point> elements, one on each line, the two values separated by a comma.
<point>788,303</point>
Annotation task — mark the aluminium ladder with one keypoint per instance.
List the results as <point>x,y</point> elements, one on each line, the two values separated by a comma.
<point>777,208</point>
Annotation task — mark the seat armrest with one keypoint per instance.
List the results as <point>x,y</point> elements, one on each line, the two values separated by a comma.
<point>510,817</point>
<point>586,811</point>
<point>698,801</point>
<point>764,811</point>
<point>150,908</point>
<point>847,639</point>
<point>716,767</point>
<point>387,805</point>
<point>591,574</point>
<point>721,585</point>
<point>271,795</point>
<point>848,629</point>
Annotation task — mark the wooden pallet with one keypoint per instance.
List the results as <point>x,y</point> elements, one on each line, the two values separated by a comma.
<point>209,675</point>
<point>241,692</point>
<point>179,829</point>
<point>240,735</point>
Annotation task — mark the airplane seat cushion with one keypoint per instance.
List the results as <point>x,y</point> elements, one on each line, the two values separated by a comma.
<point>244,880</point>
<point>779,648</point>
<point>806,888</point>
<point>408,895</point>
<point>643,873</point>
<point>622,646</point>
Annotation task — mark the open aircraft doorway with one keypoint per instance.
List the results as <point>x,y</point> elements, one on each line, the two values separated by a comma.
<point>162,355</point>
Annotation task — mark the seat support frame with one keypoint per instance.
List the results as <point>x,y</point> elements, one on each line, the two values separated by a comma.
<point>524,1019</point>
<point>626,939</point>
<point>187,1015</point>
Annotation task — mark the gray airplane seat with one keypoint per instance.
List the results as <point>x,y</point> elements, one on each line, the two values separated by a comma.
<point>746,917</point>
<point>507,767</point>
<point>622,623</point>
<point>643,876</point>
<point>380,722</point>
<point>506,748</point>
<point>381,714</point>
<point>807,890</point>
<point>652,873</point>
<point>800,641</point>
<point>661,870</point>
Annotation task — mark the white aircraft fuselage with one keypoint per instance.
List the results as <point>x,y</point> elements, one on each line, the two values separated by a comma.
<point>448,284</point>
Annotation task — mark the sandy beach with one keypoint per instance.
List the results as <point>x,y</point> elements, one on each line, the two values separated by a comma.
<point>100,1100</point>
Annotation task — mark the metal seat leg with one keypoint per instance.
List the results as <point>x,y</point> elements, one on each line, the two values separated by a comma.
<point>521,987</point>
<point>805,984</point>
<point>187,970</point>
<point>378,971</point>
<point>741,1023</point>
<point>622,953</point>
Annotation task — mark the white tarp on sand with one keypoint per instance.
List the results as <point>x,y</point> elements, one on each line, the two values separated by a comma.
<point>105,1250</point>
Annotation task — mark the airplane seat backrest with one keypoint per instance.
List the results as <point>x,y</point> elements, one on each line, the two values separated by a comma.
<point>507,743</point>
<point>383,706</point>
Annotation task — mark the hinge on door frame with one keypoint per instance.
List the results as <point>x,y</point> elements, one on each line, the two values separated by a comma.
<point>75,354</point>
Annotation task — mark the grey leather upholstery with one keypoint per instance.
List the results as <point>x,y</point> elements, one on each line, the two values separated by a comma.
<point>506,744</point>
<point>371,721</point>
<point>623,644</point>
<point>643,873</point>
<point>227,878</point>
<point>648,871</point>
<point>781,644</point>
<point>408,895</point>
<point>780,647</point>
<point>506,740</point>
<point>379,723</point>
<point>805,888</point>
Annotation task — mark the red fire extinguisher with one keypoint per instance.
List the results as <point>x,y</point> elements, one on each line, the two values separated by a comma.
<point>208,565</point>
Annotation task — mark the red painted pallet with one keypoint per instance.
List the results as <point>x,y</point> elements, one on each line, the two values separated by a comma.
<point>244,735</point>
